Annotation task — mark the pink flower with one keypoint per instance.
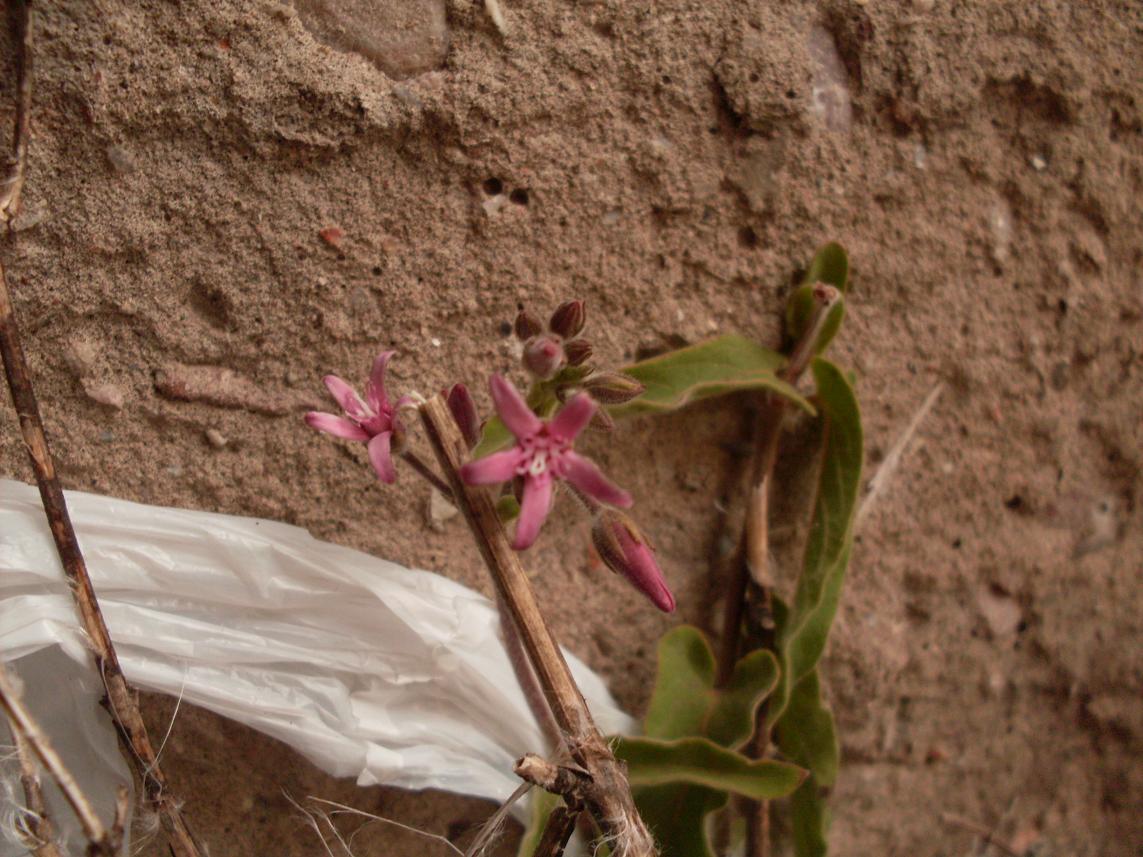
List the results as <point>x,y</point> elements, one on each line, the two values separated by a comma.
<point>626,551</point>
<point>373,421</point>
<point>542,454</point>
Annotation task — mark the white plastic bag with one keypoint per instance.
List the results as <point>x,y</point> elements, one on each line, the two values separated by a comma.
<point>367,668</point>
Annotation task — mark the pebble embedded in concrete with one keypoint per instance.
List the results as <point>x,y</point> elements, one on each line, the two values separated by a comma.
<point>829,87</point>
<point>401,37</point>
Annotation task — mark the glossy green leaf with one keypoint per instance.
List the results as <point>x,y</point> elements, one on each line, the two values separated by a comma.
<point>804,627</point>
<point>830,265</point>
<point>809,817</point>
<point>701,762</point>
<point>685,701</point>
<point>715,367</point>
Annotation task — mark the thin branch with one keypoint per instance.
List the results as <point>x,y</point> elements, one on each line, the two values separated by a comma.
<point>37,831</point>
<point>427,473</point>
<point>102,840</point>
<point>12,181</point>
<point>752,559</point>
<point>557,832</point>
<point>607,795</point>
<point>120,697</point>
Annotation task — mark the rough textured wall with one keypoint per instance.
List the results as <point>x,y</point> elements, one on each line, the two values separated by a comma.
<point>674,163</point>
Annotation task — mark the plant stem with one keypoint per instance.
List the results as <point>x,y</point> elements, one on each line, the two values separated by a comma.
<point>36,830</point>
<point>119,699</point>
<point>12,181</point>
<point>557,832</point>
<point>751,562</point>
<point>103,841</point>
<point>120,696</point>
<point>607,794</point>
<point>427,473</point>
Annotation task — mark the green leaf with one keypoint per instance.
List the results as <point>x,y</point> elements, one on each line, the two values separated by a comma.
<point>831,266</point>
<point>685,701</point>
<point>677,817</point>
<point>810,820</point>
<point>804,627</point>
<point>701,762</point>
<point>806,732</point>
<point>715,367</point>
<point>494,437</point>
<point>691,729</point>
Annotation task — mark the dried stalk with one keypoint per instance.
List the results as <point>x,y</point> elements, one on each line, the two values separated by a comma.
<point>557,832</point>
<point>37,832</point>
<point>605,791</point>
<point>751,564</point>
<point>120,697</point>
<point>12,182</point>
<point>102,841</point>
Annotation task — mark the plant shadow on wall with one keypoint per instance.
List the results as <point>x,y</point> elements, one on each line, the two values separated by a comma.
<point>750,722</point>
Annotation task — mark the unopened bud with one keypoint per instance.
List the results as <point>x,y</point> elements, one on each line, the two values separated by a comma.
<point>613,388</point>
<point>568,319</point>
<point>601,421</point>
<point>578,351</point>
<point>464,412</point>
<point>626,551</point>
<point>527,326</point>
<point>543,357</point>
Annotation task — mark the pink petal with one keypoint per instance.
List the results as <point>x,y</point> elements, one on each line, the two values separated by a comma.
<point>584,475</point>
<point>381,459</point>
<point>644,573</point>
<point>573,417</point>
<point>493,469</point>
<point>346,396</point>
<point>534,510</point>
<point>375,389</point>
<point>337,426</point>
<point>512,408</point>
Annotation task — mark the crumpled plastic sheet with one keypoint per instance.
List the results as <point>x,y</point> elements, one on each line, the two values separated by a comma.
<point>366,668</point>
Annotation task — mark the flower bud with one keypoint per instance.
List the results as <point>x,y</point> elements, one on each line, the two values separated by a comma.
<point>625,550</point>
<point>601,421</point>
<point>578,351</point>
<point>543,357</point>
<point>527,326</point>
<point>568,319</point>
<point>613,388</point>
<point>464,412</point>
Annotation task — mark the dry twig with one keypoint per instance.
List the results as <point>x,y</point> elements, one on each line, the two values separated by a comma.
<point>103,841</point>
<point>120,697</point>
<point>12,181</point>
<point>752,559</point>
<point>36,829</point>
<point>606,793</point>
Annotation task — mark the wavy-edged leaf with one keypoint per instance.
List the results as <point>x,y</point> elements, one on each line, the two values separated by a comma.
<point>806,732</point>
<point>725,364</point>
<point>804,626</point>
<point>830,265</point>
<point>701,762</point>
<point>685,701</point>
<point>810,818</point>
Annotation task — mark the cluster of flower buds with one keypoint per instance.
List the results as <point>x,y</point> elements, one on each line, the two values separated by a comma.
<point>559,356</point>
<point>548,352</point>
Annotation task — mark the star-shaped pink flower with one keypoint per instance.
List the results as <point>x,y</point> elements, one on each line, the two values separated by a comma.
<point>543,453</point>
<point>372,421</point>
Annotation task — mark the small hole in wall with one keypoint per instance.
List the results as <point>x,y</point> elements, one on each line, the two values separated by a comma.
<point>493,187</point>
<point>754,77</point>
<point>747,237</point>
<point>377,270</point>
<point>519,196</point>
